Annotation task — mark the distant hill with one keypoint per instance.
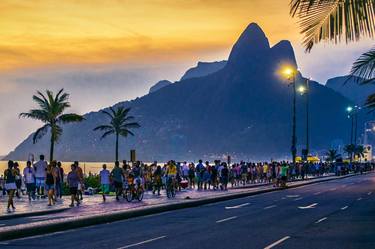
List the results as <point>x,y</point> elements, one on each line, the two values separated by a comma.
<point>243,109</point>
<point>350,88</point>
<point>203,69</point>
<point>159,85</point>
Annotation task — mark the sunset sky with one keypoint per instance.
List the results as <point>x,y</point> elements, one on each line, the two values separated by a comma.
<point>103,52</point>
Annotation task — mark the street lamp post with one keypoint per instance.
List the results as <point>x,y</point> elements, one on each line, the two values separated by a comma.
<point>349,109</point>
<point>291,75</point>
<point>305,90</point>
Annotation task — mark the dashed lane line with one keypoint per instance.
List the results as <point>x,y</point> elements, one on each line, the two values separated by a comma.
<point>143,242</point>
<point>238,206</point>
<point>269,207</point>
<point>227,219</point>
<point>277,242</point>
<point>343,208</point>
<point>320,220</point>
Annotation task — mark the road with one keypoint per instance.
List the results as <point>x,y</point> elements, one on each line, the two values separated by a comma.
<point>335,214</point>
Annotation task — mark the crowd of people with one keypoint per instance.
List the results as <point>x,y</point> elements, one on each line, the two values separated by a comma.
<point>45,180</point>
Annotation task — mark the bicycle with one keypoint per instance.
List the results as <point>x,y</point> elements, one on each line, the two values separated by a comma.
<point>134,191</point>
<point>170,187</point>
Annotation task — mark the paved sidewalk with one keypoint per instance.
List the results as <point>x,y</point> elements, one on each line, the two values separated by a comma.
<point>94,204</point>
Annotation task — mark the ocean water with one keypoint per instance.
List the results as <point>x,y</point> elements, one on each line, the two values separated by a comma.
<point>93,167</point>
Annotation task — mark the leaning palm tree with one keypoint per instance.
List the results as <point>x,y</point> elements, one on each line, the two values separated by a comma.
<point>334,20</point>
<point>120,124</point>
<point>51,113</point>
<point>337,20</point>
<point>332,155</point>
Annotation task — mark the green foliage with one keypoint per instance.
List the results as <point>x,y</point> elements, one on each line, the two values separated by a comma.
<point>332,155</point>
<point>51,113</point>
<point>333,20</point>
<point>120,124</point>
<point>92,181</point>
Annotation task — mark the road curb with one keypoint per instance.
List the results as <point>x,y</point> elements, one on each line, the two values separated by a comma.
<point>73,223</point>
<point>31,214</point>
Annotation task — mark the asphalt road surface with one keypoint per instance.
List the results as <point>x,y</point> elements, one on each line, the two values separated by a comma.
<point>335,214</point>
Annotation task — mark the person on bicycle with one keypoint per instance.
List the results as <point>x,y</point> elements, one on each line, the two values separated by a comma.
<point>138,174</point>
<point>171,172</point>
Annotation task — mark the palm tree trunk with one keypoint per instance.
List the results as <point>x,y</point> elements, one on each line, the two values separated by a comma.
<point>117,147</point>
<point>52,147</point>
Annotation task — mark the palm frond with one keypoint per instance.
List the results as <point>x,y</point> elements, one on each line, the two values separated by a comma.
<point>364,67</point>
<point>40,133</point>
<point>69,118</point>
<point>333,20</point>
<point>130,125</point>
<point>36,114</point>
<point>107,134</point>
<point>103,128</point>
<point>370,102</point>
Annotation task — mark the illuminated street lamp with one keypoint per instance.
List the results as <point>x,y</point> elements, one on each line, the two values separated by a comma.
<point>290,74</point>
<point>305,90</point>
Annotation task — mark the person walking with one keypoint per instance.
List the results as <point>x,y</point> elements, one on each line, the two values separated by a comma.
<point>192,176</point>
<point>50,183</point>
<point>199,169</point>
<point>40,175</point>
<point>29,179</point>
<point>157,180</point>
<point>224,177</point>
<point>10,184</point>
<point>81,180</point>
<point>16,167</point>
<point>59,180</point>
<point>73,181</point>
<point>117,177</point>
<point>104,181</point>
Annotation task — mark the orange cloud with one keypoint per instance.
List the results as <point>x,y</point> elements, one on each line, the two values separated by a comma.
<point>46,32</point>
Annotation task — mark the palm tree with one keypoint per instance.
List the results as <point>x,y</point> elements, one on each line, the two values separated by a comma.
<point>332,155</point>
<point>335,20</point>
<point>350,149</point>
<point>119,125</point>
<point>51,113</point>
<point>360,152</point>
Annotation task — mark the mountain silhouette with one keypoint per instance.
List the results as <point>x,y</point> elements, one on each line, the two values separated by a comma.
<point>349,87</point>
<point>243,109</point>
<point>159,85</point>
<point>203,69</point>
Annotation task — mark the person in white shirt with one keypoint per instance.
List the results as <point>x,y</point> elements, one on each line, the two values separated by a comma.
<point>104,180</point>
<point>40,168</point>
<point>29,179</point>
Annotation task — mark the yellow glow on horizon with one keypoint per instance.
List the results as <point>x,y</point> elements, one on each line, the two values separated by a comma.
<point>49,32</point>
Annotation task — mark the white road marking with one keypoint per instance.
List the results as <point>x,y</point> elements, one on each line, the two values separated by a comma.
<point>369,193</point>
<point>333,189</point>
<point>142,242</point>
<point>230,218</point>
<point>4,243</point>
<point>2,225</point>
<point>277,242</point>
<point>269,207</point>
<point>343,208</point>
<point>309,206</point>
<point>322,219</point>
<point>317,193</point>
<point>292,196</point>
<point>238,206</point>
<point>298,199</point>
<point>360,198</point>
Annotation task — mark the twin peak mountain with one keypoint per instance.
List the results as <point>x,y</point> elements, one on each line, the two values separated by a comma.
<point>241,108</point>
